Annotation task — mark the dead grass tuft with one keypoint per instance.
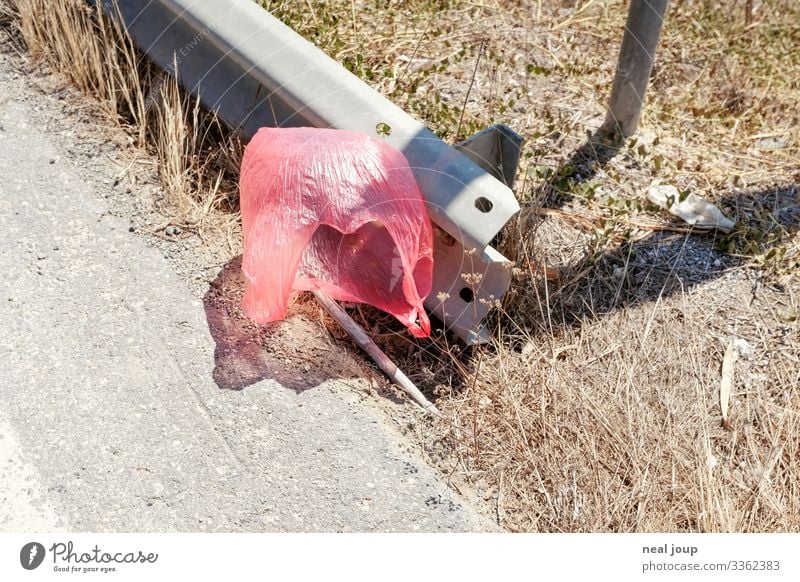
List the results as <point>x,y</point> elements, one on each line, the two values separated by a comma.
<point>196,154</point>
<point>198,159</point>
<point>91,51</point>
<point>613,424</point>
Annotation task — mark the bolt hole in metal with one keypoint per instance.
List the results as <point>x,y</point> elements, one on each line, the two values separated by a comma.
<point>467,295</point>
<point>483,204</point>
<point>383,129</point>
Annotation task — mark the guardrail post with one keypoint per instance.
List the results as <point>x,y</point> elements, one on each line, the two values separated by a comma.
<point>636,55</point>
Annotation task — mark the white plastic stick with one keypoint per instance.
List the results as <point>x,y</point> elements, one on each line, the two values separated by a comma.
<point>365,343</point>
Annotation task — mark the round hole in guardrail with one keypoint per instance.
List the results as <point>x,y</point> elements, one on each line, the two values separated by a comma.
<point>467,294</point>
<point>483,204</point>
<point>383,129</point>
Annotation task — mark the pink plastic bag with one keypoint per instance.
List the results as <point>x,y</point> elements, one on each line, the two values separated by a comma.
<point>336,211</point>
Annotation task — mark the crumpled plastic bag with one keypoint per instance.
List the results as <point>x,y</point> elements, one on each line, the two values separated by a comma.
<point>693,210</point>
<point>336,211</point>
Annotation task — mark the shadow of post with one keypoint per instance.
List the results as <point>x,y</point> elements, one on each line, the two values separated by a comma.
<point>663,263</point>
<point>584,163</point>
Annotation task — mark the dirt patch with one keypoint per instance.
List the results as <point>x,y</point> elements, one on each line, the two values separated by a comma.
<point>297,352</point>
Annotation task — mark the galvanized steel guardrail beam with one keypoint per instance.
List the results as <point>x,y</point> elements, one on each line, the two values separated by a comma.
<point>255,71</point>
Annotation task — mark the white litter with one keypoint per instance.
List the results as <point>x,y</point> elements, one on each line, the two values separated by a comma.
<point>693,209</point>
<point>743,347</point>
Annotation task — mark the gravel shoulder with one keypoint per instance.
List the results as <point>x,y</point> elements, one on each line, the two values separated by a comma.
<point>112,412</point>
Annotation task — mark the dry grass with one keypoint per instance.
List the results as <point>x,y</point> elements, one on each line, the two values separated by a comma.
<point>597,408</point>
<point>613,423</point>
<point>90,50</point>
<point>197,157</point>
<point>721,90</point>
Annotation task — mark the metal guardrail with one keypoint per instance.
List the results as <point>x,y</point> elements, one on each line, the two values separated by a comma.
<point>255,71</point>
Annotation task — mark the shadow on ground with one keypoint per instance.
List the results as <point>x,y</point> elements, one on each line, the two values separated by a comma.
<point>295,352</point>
<point>662,263</point>
<point>584,163</point>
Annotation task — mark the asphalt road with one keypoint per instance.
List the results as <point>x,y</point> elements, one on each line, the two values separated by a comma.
<point>109,417</point>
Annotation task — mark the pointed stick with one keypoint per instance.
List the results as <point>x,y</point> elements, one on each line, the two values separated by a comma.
<point>365,343</point>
